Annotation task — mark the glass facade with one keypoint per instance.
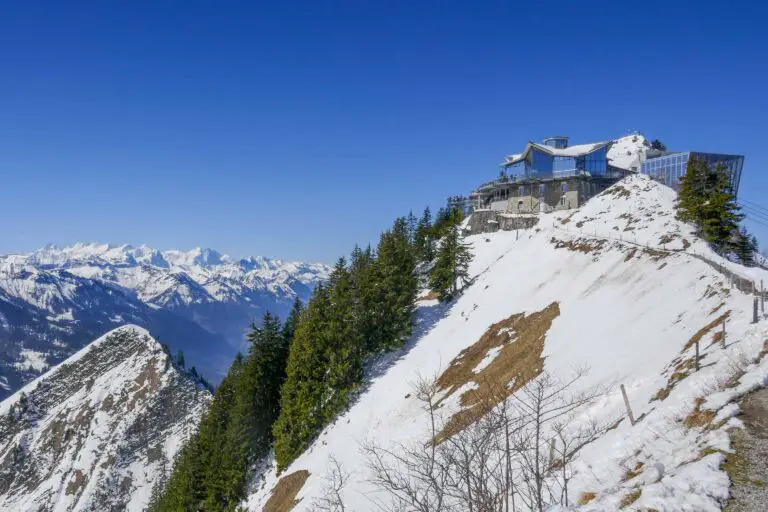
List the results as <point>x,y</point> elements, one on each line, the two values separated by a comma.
<point>540,164</point>
<point>669,169</point>
<point>596,162</point>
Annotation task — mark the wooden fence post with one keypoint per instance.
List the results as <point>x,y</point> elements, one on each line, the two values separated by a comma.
<point>754,314</point>
<point>626,402</point>
<point>723,337</point>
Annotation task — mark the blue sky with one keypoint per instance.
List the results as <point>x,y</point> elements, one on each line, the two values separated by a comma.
<point>297,129</point>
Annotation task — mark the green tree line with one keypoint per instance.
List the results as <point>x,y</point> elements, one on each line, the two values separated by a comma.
<point>298,376</point>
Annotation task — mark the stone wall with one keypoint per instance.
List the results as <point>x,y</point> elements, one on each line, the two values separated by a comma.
<point>488,221</point>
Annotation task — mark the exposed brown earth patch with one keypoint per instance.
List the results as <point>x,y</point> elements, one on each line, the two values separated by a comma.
<point>283,498</point>
<point>581,245</point>
<point>76,483</point>
<point>617,191</point>
<point>706,330</point>
<point>148,382</point>
<point>519,360</point>
<point>699,418</point>
<point>586,497</point>
<point>717,308</point>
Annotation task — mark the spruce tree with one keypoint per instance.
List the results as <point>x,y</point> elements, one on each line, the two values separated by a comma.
<point>451,269</point>
<point>744,247</point>
<point>397,286</point>
<point>425,249</point>
<point>301,395</point>
<point>706,199</point>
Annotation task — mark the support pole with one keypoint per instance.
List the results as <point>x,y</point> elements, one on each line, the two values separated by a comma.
<point>762,298</point>
<point>626,403</point>
<point>754,315</point>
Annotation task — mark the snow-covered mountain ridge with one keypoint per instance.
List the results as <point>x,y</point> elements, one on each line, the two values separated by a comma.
<point>98,431</point>
<point>54,300</point>
<point>619,286</point>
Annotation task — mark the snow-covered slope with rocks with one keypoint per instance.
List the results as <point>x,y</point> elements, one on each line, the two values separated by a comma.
<point>98,431</point>
<point>55,300</point>
<point>618,286</point>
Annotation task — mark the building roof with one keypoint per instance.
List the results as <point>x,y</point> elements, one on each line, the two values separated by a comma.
<point>571,151</point>
<point>625,152</point>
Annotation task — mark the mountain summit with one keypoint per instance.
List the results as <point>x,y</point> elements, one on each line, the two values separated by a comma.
<point>98,431</point>
<point>56,299</point>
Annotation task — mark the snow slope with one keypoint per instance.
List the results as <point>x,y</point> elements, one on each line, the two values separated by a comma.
<point>99,430</point>
<point>625,311</point>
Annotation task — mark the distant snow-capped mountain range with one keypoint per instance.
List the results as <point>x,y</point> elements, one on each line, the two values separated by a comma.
<point>55,299</point>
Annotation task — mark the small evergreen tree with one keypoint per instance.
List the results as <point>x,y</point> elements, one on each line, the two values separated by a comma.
<point>658,145</point>
<point>745,247</point>
<point>425,246</point>
<point>179,359</point>
<point>451,270</point>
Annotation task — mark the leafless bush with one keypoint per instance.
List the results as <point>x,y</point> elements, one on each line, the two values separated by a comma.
<point>335,480</point>
<point>516,450</point>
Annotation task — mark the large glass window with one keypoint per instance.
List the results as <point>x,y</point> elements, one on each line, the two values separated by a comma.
<point>541,163</point>
<point>564,166</point>
<point>596,163</point>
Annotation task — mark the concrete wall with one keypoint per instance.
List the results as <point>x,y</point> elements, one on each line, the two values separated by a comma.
<point>488,221</point>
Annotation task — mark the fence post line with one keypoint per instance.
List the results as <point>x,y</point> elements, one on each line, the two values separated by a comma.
<point>626,403</point>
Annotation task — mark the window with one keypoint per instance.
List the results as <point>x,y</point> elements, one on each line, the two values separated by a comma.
<point>521,191</point>
<point>564,187</point>
<point>541,190</point>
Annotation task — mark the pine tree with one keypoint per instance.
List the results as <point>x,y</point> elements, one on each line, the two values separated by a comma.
<point>412,223</point>
<point>425,247</point>
<point>451,269</point>
<point>744,247</point>
<point>657,144</point>
<point>706,199</point>
<point>179,360</point>
<point>301,395</point>
<point>397,286</point>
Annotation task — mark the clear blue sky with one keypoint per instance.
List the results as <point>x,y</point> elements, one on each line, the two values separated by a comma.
<point>297,129</point>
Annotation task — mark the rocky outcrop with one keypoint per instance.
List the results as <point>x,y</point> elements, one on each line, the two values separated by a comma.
<point>99,430</point>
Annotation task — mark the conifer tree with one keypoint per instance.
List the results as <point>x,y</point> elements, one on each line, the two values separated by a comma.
<point>301,414</point>
<point>425,248</point>
<point>706,199</point>
<point>397,286</point>
<point>451,270</point>
<point>744,247</point>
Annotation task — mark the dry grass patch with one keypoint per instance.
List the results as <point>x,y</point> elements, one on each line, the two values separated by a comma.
<point>717,308</point>
<point>430,295</point>
<point>580,245</point>
<point>632,473</point>
<point>699,418</point>
<point>586,497</point>
<point>630,498</point>
<point>617,191</point>
<point>283,497</point>
<point>630,254</point>
<point>706,329</point>
<point>521,338</point>
<point>667,239</point>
